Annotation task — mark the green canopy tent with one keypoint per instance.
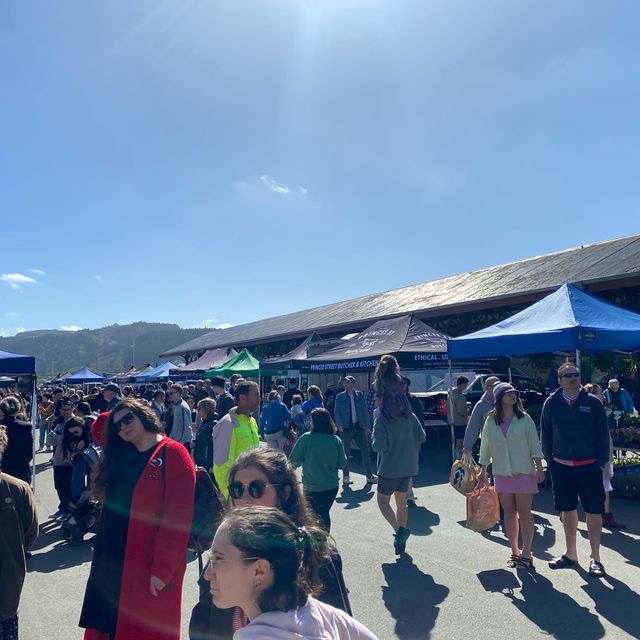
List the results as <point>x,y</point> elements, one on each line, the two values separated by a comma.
<point>245,364</point>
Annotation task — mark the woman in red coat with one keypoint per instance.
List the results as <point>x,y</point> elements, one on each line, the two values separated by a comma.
<point>146,484</point>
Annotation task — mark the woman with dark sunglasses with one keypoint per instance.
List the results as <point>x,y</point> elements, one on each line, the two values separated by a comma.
<point>264,477</point>
<point>146,485</point>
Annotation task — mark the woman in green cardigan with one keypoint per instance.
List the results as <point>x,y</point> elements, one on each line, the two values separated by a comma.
<point>511,444</point>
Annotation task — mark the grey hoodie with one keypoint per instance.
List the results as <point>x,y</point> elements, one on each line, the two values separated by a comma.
<point>479,414</point>
<point>314,621</point>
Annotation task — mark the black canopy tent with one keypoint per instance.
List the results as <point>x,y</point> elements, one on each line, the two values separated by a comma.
<point>415,345</point>
<point>294,358</point>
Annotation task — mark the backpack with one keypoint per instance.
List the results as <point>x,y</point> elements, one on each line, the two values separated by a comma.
<point>208,507</point>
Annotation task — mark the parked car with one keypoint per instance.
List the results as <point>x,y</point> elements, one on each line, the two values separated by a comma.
<point>435,400</point>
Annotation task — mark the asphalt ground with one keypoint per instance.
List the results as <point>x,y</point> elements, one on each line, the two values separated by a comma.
<point>452,584</point>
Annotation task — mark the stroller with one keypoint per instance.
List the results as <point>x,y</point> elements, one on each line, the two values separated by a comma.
<point>85,517</point>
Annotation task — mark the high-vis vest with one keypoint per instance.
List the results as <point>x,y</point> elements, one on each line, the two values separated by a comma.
<point>244,436</point>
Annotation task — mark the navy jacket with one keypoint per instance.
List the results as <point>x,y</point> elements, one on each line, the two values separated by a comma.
<point>576,432</point>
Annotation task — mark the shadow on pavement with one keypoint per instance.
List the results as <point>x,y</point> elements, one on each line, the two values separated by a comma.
<point>627,546</point>
<point>353,499</point>
<point>615,602</point>
<point>412,598</point>
<point>49,533</point>
<point>422,521</point>
<point>60,556</point>
<point>553,612</point>
<point>544,538</point>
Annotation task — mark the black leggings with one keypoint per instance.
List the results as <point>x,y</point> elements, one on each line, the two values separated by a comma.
<point>321,502</point>
<point>62,483</point>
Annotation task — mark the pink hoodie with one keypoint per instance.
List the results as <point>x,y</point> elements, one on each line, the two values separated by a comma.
<point>314,621</point>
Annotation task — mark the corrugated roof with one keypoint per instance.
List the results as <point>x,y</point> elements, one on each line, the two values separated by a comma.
<point>589,263</point>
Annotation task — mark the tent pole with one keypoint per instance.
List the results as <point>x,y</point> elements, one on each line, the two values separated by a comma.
<point>578,359</point>
<point>453,435</point>
<point>510,378</point>
<point>34,428</point>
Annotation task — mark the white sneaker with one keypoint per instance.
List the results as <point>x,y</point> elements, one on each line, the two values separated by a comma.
<point>346,480</point>
<point>372,480</point>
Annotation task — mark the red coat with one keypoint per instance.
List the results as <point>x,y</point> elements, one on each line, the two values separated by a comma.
<point>159,525</point>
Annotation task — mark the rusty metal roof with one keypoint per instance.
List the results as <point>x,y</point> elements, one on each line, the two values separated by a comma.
<point>586,264</point>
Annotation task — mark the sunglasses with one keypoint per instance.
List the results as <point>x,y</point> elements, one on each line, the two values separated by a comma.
<point>126,419</point>
<point>255,488</point>
<point>573,374</point>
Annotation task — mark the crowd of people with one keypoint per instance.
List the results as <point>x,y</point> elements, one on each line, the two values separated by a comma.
<point>274,571</point>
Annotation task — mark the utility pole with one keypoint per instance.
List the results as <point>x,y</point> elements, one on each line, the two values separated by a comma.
<point>133,352</point>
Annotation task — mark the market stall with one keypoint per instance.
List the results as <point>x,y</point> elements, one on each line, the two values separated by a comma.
<point>23,370</point>
<point>208,360</point>
<point>568,320</point>
<point>82,376</point>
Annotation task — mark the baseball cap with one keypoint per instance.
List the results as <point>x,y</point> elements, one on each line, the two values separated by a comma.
<point>349,379</point>
<point>491,381</point>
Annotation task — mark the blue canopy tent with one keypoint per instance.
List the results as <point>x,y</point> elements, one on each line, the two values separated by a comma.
<point>15,365</point>
<point>569,319</point>
<point>83,375</point>
<point>161,372</point>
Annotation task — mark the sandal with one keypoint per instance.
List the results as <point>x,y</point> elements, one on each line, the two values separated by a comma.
<point>513,560</point>
<point>596,569</point>
<point>524,563</point>
<point>562,562</point>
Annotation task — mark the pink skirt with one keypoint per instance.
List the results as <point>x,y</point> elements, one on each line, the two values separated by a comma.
<point>520,483</point>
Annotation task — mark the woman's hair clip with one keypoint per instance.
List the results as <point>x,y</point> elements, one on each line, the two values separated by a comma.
<point>301,536</point>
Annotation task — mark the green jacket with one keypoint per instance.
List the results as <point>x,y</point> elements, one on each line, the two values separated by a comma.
<point>18,530</point>
<point>513,454</point>
<point>231,436</point>
<point>321,456</point>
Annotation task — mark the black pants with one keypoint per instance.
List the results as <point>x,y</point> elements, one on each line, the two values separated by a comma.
<point>62,482</point>
<point>321,502</point>
<point>362,440</point>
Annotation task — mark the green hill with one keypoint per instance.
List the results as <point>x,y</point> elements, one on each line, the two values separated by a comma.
<point>105,350</point>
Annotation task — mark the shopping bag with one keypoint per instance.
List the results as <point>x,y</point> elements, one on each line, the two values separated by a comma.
<point>483,509</point>
<point>464,475</point>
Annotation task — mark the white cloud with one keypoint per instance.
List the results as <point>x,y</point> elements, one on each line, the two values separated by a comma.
<point>7,333</point>
<point>40,272</point>
<point>273,185</point>
<point>97,277</point>
<point>69,327</point>
<point>16,280</point>
<point>214,323</point>
<point>12,314</point>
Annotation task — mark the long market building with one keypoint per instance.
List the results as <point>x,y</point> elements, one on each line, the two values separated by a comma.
<point>455,305</point>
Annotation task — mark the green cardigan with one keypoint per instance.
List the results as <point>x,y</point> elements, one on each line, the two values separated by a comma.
<point>513,454</point>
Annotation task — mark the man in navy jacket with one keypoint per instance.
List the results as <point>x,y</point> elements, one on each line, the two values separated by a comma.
<point>575,442</point>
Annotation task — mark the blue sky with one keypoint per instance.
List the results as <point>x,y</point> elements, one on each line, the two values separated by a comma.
<point>210,162</point>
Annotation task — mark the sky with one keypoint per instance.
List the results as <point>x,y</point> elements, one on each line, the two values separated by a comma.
<point>211,163</point>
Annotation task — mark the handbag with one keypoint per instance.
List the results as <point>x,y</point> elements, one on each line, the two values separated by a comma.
<point>50,439</point>
<point>483,508</point>
<point>464,475</point>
